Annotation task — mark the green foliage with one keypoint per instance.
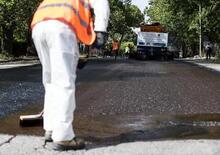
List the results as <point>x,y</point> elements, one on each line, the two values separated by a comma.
<point>5,56</point>
<point>125,44</point>
<point>181,19</point>
<point>15,17</point>
<point>123,16</point>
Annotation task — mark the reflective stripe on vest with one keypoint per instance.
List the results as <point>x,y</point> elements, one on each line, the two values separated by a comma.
<point>75,13</point>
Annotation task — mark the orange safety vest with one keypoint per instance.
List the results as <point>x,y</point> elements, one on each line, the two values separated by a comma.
<point>75,13</point>
<point>115,45</point>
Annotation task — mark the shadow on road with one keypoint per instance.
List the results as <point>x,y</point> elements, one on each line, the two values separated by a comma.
<point>152,134</point>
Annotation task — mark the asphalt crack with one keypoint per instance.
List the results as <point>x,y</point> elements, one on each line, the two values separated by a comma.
<point>8,141</point>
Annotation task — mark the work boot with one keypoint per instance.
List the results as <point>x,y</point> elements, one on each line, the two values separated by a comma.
<point>74,144</point>
<point>48,136</point>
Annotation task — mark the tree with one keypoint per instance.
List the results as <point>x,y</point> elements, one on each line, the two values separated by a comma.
<point>181,18</point>
<point>15,16</point>
<point>123,16</point>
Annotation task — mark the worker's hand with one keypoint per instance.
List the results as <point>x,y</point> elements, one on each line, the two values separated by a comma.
<point>100,41</point>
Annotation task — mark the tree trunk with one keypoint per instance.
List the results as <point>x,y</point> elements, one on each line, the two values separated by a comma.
<point>184,50</point>
<point>1,45</point>
<point>122,36</point>
<point>217,50</point>
<point>7,40</point>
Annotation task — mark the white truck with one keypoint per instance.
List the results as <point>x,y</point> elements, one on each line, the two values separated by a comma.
<point>152,42</point>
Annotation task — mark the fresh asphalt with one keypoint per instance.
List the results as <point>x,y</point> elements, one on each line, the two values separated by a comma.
<point>21,144</point>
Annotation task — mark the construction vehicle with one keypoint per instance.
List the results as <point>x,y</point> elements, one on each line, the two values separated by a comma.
<point>152,41</point>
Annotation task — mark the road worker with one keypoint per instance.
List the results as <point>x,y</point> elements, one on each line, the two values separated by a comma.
<point>208,50</point>
<point>115,48</point>
<point>57,26</point>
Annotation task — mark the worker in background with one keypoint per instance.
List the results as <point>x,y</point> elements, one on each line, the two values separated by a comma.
<point>208,50</point>
<point>115,47</point>
<point>57,26</point>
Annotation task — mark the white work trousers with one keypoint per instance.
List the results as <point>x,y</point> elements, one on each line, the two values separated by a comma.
<point>57,49</point>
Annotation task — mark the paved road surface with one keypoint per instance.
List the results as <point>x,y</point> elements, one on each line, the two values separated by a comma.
<point>123,101</point>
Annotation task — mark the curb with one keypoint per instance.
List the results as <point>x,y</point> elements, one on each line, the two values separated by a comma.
<point>19,59</point>
<point>26,145</point>
<point>207,65</point>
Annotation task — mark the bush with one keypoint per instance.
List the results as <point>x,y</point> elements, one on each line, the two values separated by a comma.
<point>5,56</point>
<point>19,48</point>
<point>124,44</point>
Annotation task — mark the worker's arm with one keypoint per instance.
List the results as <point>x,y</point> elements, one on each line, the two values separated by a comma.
<point>102,12</point>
